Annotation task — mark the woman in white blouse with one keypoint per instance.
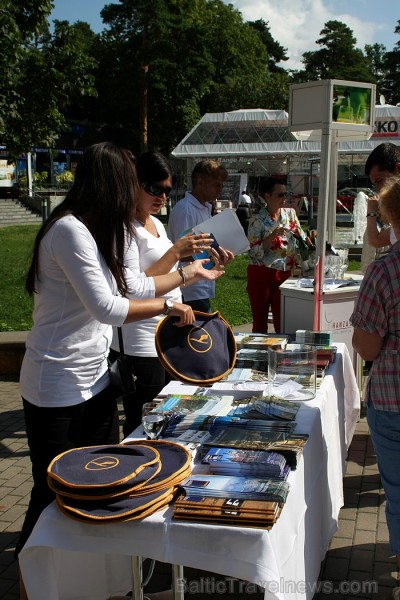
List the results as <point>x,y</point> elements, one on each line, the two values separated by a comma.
<point>80,287</point>
<point>150,252</point>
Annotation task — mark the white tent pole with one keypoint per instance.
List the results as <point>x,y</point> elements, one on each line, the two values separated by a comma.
<point>332,204</point>
<point>29,172</point>
<point>325,164</point>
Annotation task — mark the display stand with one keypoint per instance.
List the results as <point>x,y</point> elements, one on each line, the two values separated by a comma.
<point>331,111</point>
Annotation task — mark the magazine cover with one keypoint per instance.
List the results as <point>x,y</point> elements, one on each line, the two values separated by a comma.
<point>209,503</point>
<point>255,463</point>
<point>222,486</point>
<point>260,341</point>
<point>197,403</point>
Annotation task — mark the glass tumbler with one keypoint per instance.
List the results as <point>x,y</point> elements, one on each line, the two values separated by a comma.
<point>292,372</point>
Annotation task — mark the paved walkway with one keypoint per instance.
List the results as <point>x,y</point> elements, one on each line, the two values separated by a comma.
<point>357,565</point>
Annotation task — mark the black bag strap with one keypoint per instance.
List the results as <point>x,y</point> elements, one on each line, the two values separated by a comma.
<point>121,342</point>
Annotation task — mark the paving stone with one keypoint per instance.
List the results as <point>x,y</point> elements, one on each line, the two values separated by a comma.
<point>367,521</point>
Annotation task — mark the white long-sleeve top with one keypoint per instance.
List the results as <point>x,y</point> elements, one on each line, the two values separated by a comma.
<point>142,251</point>
<point>75,306</point>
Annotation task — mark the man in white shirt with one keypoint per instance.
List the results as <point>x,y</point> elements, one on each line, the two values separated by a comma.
<point>208,177</point>
<point>245,199</point>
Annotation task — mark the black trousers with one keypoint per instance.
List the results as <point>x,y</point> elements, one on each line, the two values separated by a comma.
<point>51,431</point>
<point>151,377</point>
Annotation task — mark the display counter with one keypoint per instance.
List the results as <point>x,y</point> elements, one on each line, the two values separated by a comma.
<point>337,305</point>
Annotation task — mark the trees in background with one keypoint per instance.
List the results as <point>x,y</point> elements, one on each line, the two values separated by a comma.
<point>391,65</point>
<point>157,67</point>
<point>338,56</point>
<point>42,73</point>
<point>174,61</point>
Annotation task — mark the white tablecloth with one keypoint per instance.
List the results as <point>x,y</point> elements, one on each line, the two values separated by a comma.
<point>68,560</point>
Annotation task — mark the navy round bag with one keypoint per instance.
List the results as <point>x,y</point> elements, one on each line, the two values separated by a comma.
<point>201,353</point>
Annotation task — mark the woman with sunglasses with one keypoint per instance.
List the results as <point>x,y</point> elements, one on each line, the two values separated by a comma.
<point>272,253</point>
<point>150,251</point>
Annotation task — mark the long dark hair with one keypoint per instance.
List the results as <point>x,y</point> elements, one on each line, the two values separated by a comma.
<point>104,194</point>
<point>152,166</point>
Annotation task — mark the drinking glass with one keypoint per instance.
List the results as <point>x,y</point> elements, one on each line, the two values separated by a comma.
<point>292,371</point>
<point>344,254</point>
<point>335,264</point>
<point>153,419</point>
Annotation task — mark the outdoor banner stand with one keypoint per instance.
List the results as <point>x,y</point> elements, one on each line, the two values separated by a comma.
<point>329,111</point>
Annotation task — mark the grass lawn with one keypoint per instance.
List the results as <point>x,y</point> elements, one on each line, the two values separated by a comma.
<point>16,245</point>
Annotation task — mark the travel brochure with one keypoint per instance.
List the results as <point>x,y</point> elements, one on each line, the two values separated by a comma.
<point>260,341</point>
<point>254,463</point>
<point>181,424</point>
<point>227,511</point>
<point>221,486</point>
<point>197,404</point>
<point>254,407</point>
<point>290,445</point>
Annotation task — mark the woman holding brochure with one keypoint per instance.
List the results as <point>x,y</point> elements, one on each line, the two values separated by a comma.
<point>150,252</point>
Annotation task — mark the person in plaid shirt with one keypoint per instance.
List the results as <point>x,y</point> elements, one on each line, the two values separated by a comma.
<point>376,337</point>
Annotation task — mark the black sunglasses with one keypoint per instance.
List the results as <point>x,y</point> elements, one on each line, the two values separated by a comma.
<point>157,190</point>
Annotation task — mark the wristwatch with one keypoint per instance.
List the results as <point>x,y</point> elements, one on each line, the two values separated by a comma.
<point>372,214</point>
<point>168,306</point>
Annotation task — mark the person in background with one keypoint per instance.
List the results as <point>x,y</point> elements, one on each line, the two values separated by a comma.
<point>245,199</point>
<point>79,283</point>
<point>243,211</point>
<point>376,322</point>
<point>150,251</point>
<point>272,253</point>
<point>208,177</point>
<point>360,216</point>
<point>382,163</point>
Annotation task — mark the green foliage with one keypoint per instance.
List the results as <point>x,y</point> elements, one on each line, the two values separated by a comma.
<point>275,52</point>
<point>338,57</point>
<point>65,177</point>
<point>391,83</point>
<point>157,68</point>
<point>41,74</point>
<point>231,298</point>
<point>181,59</point>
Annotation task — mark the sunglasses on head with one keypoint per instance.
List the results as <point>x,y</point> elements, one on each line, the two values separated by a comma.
<point>157,190</point>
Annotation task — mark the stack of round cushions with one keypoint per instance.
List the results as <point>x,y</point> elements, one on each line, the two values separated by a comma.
<point>201,353</point>
<point>118,482</point>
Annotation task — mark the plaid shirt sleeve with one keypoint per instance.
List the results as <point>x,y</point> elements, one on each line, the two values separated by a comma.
<point>370,311</point>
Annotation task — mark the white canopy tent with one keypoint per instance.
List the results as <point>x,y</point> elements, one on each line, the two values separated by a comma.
<point>261,132</point>
<point>257,142</point>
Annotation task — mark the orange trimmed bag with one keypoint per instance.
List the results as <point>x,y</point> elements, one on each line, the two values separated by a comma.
<point>201,353</point>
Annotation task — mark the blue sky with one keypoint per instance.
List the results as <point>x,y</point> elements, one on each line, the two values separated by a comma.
<point>295,24</point>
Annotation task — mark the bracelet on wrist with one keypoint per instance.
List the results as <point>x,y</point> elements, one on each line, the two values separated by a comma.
<point>183,275</point>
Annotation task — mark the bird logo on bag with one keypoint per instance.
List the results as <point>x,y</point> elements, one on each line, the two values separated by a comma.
<point>199,340</point>
<point>101,463</point>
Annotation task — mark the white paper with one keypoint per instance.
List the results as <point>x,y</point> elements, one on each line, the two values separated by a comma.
<point>228,232</point>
